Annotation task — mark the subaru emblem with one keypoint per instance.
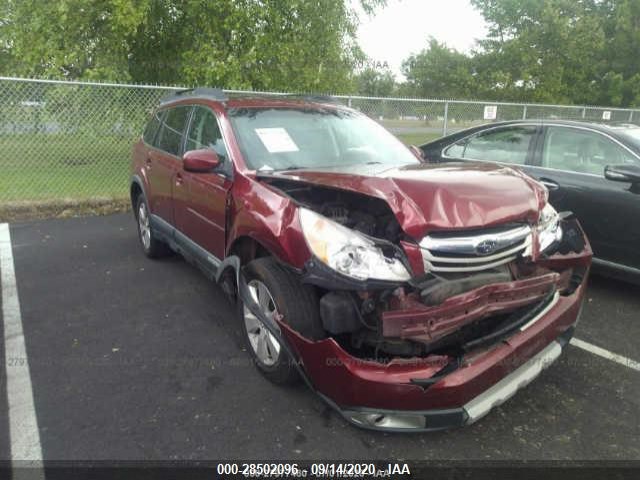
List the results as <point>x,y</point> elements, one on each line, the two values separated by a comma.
<point>486,247</point>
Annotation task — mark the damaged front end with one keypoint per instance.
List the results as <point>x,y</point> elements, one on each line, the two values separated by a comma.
<point>420,329</point>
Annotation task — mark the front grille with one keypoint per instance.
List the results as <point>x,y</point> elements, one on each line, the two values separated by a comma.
<point>474,251</point>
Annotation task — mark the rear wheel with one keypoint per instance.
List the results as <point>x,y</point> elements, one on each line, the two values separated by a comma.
<point>278,293</point>
<point>152,247</point>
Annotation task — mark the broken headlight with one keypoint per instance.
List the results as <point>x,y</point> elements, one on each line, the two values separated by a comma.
<point>347,251</point>
<point>549,230</point>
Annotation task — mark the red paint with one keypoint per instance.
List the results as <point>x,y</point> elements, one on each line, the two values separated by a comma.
<point>352,382</point>
<point>199,208</point>
<point>200,161</point>
<point>413,319</point>
<point>426,197</point>
<point>414,256</point>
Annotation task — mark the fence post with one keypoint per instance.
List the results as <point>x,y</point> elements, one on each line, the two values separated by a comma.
<point>584,112</point>
<point>631,116</point>
<point>444,122</point>
<point>524,112</point>
<point>349,102</point>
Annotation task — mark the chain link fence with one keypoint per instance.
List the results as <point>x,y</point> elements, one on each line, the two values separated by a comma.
<point>68,144</point>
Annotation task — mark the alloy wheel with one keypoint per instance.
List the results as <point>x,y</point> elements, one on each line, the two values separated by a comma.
<point>265,346</point>
<point>143,224</point>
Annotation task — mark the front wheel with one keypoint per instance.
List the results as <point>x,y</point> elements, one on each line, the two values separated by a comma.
<point>278,294</point>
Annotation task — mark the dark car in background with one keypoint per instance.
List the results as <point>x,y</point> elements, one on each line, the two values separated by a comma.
<point>590,169</point>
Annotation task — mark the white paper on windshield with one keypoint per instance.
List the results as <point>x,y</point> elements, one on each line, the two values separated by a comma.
<point>276,140</point>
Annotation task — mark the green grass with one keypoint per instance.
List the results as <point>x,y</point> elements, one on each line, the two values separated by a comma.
<point>406,123</point>
<point>52,167</point>
<point>417,138</point>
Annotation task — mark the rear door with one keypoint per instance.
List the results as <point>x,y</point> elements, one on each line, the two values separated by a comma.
<point>163,162</point>
<point>571,163</point>
<point>200,199</point>
<point>142,152</point>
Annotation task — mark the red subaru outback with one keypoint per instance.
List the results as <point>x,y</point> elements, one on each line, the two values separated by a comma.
<point>408,295</point>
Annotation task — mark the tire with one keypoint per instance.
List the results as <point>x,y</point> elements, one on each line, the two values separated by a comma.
<point>151,246</point>
<point>299,307</point>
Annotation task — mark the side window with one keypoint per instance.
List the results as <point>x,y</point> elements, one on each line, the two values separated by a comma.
<point>151,130</point>
<point>503,145</point>
<point>172,129</point>
<point>205,133</point>
<point>581,151</point>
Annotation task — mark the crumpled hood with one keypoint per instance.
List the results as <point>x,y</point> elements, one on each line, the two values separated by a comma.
<point>431,197</point>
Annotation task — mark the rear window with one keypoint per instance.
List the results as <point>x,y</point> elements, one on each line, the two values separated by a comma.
<point>582,151</point>
<point>172,129</point>
<point>151,130</point>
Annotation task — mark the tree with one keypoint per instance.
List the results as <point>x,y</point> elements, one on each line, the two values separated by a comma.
<point>288,45</point>
<point>375,83</point>
<point>550,51</point>
<point>439,72</point>
<point>561,51</point>
<point>622,30</point>
<point>544,51</point>
<point>68,38</point>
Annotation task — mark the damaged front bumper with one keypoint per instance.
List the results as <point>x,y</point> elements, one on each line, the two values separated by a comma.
<point>413,394</point>
<point>470,412</point>
<point>412,319</point>
<point>391,397</point>
<point>438,391</point>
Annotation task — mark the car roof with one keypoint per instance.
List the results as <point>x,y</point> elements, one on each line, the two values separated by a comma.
<point>614,129</point>
<point>603,127</point>
<point>294,102</point>
<point>247,101</point>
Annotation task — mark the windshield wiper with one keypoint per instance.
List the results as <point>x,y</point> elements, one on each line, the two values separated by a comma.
<point>292,167</point>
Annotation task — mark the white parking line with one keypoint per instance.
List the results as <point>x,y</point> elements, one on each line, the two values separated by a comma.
<point>601,352</point>
<point>23,425</point>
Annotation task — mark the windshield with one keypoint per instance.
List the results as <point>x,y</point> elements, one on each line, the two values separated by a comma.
<point>292,138</point>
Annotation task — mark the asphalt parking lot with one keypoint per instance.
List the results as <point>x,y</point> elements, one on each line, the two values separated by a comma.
<point>135,359</point>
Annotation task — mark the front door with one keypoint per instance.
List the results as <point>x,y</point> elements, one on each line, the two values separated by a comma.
<point>571,165</point>
<point>200,199</point>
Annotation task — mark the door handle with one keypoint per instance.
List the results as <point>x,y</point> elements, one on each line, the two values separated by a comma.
<point>178,179</point>
<point>147,162</point>
<point>550,184</point>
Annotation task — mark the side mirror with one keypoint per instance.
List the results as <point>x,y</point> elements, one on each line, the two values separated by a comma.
<point>417,152</point>
<point>200,161</point>
<point>622,173</point>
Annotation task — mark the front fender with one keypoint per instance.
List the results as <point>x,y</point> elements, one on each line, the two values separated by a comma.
<point>268,218</point>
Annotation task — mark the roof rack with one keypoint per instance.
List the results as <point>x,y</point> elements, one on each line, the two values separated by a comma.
<point>202,92</point>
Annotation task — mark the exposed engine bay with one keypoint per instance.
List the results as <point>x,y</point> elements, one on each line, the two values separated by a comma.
<point>368,215</point>
<point>458,303</point>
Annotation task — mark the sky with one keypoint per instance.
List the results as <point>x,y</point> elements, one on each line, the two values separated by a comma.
<point>403,27</point>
